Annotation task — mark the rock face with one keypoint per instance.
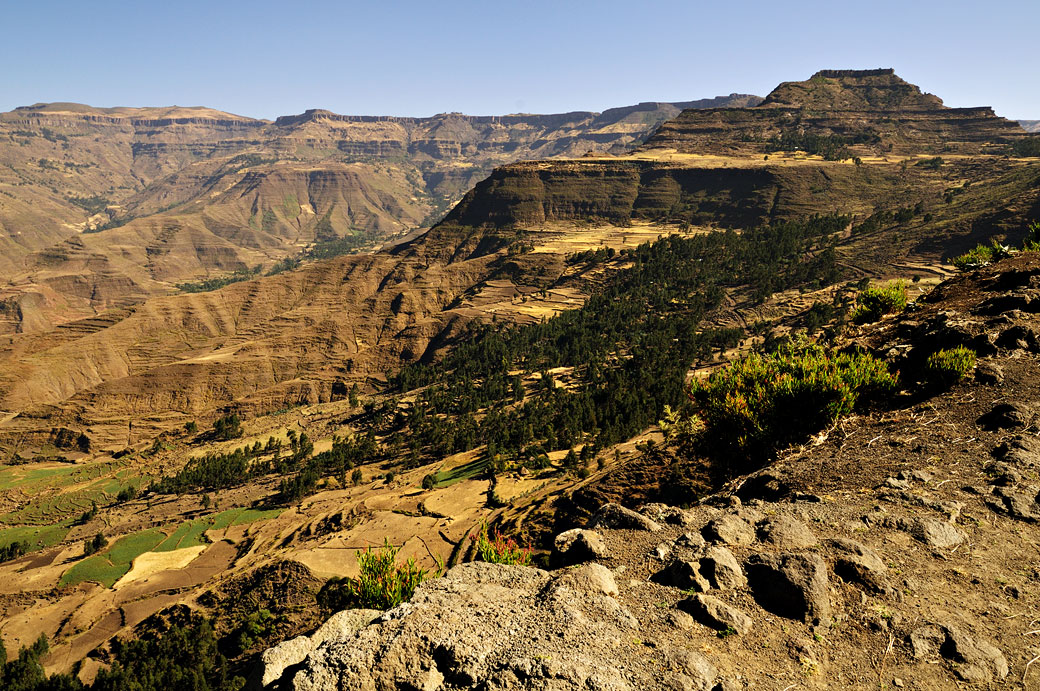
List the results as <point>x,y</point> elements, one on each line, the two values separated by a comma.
<point>504,627</point>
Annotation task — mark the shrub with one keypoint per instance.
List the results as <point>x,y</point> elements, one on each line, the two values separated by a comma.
<point>981,255</point>
<point>944,368</point>
<point>498,549</point>
<point>382,583</point>
<point>762,403</point>
<point>874,302</point>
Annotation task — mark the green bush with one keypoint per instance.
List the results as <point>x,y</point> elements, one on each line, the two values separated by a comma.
<point>944,368</point>
<point>382,583</point>
<point>498,549</point>
<point>876,301</point>
<point>762,403</point>
<point>981,255</point>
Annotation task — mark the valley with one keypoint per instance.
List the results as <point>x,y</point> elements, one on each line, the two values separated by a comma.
<point>508,365</point>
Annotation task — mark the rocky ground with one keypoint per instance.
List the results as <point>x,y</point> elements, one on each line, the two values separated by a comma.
<point>898,549</point>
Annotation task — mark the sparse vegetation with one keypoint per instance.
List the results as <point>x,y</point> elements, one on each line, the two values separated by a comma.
<point>876,301</point>
<point>946,367</point>
<point>499,549</point>
<point>381,584</point>
<point>208,284</point>
<point>762,403</point>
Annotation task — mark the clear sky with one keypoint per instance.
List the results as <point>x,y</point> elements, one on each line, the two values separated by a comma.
<point>263,58</point>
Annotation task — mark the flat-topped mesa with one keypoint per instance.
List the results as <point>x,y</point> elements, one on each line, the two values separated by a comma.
<point>868,90</point>
<point>840,114</point>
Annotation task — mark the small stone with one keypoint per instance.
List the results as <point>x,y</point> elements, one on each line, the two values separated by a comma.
<point>729,530</point>
<point>717,614</point>
<point>898,683</point>
<point>662,551</point>
<point>896,483</point>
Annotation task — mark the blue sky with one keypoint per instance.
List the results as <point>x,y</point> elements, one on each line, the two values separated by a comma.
<point>265,59</point>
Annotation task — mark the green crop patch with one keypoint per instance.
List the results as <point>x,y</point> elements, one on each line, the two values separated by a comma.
<point>38,537</point>
<point>128,548</point>
<point>97,569</point>
<point>190,533</point>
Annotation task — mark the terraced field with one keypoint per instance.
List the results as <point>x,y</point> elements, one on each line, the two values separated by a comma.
<point>112,564</point>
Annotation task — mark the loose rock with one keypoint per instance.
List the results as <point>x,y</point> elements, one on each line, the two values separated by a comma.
<point>729,530</point>
<point>617,516</point>
<point>717,614</point>
<point>578,545</point>
<point>857,563</point>
<point>936,533</point>
<point>786,533</point>
<point>721,568</point>
<point>792,585</point>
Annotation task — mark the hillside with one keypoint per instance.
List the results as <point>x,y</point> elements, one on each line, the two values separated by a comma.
<point>1030,125</point>
<point>510,365</point>
<point>896,549</point>
<point>103,207</point>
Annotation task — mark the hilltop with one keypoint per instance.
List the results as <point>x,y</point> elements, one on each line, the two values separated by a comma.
<point>509,364</point>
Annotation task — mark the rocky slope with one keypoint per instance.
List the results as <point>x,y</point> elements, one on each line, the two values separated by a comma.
<point>897,549</point>
<point>1030,125</point>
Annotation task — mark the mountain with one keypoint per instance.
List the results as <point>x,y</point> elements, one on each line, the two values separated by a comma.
<point>509,366</point>
<point>1030,125</point>
<point>866,112</point>
<point>103,207</point>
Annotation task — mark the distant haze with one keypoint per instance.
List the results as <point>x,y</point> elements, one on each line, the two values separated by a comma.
<point>264,58</point>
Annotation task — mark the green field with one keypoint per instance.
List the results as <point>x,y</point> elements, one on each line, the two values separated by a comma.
<point>190,533</point>
<point>38,537</point>
<point>109,566</point>
<point>458,473</point>
<point>97,569</point>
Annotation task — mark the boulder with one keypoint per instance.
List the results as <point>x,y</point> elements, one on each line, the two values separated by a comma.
<point>978,661</point>
<point>589,578</point>
<point>854,562</point>
<point>494,626</point>
<point>730,530</point>
<point>662,513</point>
<point>682,574</point>
<point>786,533</point>
<point>578,545</point>
<point>721,568</point>
<point>717,614</point>
<point>937,534</point>
<point>339,627</point>
<point>617,516</point>
<point>1007,416</point>
<point>792,584</point>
